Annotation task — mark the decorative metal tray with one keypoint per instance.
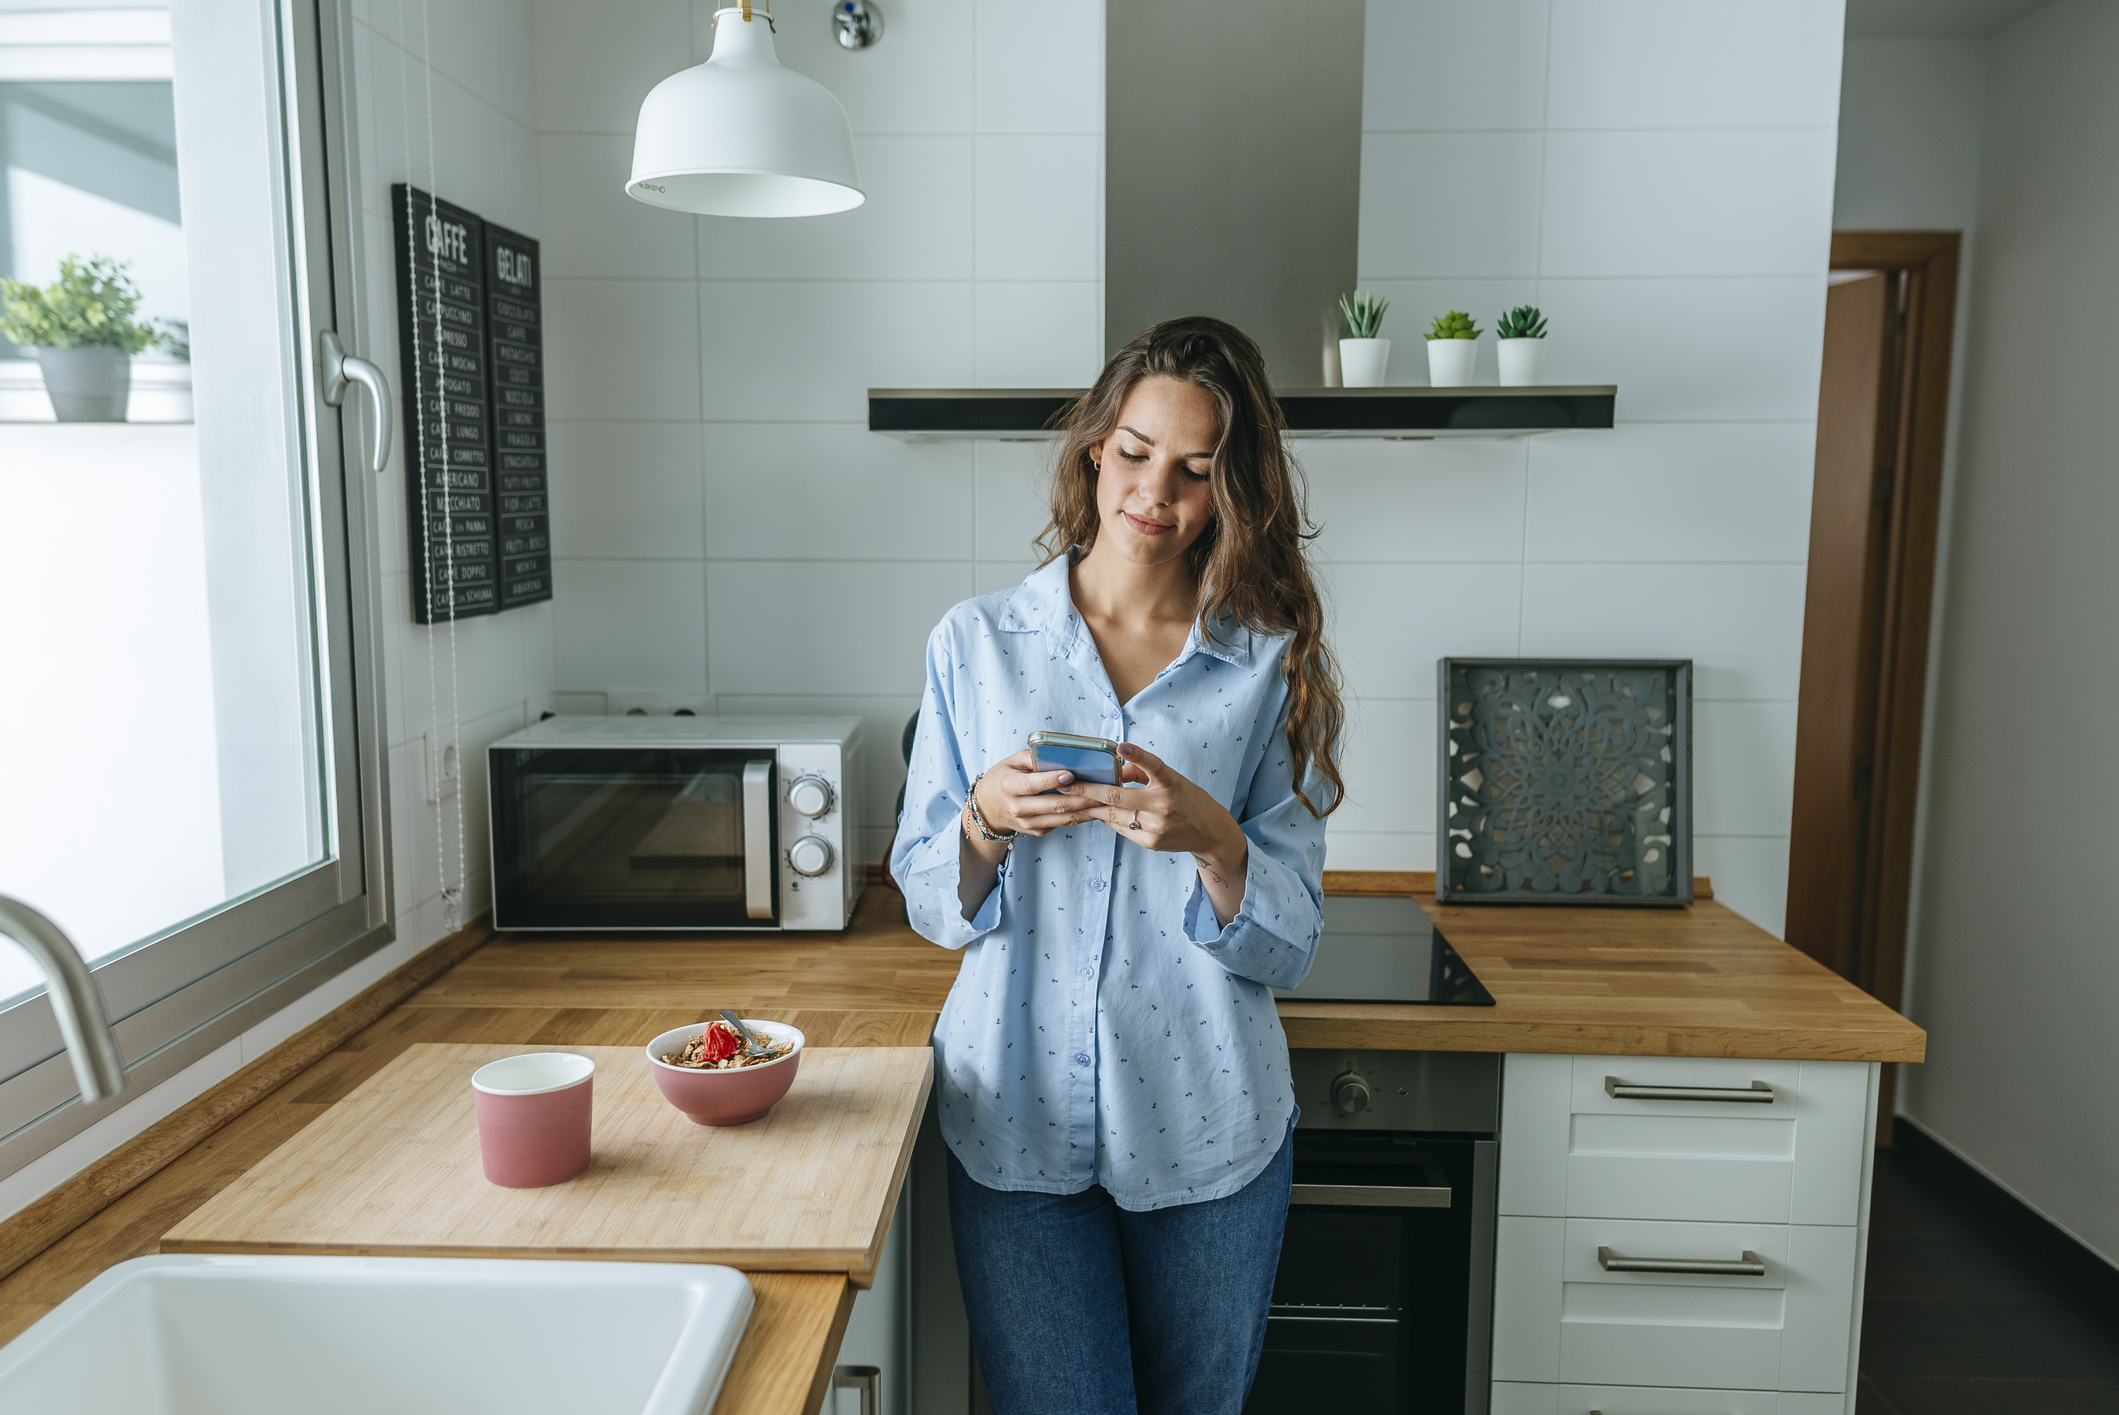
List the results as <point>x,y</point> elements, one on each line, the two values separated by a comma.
<point>1564,781</point>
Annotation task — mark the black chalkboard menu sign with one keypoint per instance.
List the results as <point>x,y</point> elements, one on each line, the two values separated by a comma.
<point>515,328</point>
<point>448,356</point>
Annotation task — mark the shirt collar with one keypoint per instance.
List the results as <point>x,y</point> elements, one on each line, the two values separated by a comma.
<point>1043,604</point>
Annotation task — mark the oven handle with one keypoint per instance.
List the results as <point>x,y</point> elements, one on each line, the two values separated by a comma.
<point>1750,1265</point>
<point>1369,1196</point>
<point>758,838</point>
<point>1757,1093</point>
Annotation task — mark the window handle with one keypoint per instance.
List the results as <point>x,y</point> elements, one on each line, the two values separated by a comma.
<point>341,368</point>
<point>1750,1265</point>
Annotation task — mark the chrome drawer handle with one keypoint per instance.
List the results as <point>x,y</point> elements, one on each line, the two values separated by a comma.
<point>1750,1265</point>
<point>1374,1196</point>
<point>868,1380</point>
<point>1757,1093</point>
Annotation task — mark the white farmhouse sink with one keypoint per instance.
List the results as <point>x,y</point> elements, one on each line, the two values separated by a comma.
<point>206,1335</point>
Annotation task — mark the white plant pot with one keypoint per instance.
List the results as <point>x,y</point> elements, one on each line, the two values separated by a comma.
<point>1522,362</point>
<point>1362,362</point>
<point>87,384</point>
<point>1451,362</point>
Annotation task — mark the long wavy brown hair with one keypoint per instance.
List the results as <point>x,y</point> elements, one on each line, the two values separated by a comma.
<point>1249,563</point>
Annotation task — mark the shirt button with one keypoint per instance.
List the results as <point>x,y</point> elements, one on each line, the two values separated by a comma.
<point>1081,1058</point>
<point>1088,972</point>
<point>1096,884</point>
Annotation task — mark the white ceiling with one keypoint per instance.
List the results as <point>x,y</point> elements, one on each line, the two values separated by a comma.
<point>1906,19</point>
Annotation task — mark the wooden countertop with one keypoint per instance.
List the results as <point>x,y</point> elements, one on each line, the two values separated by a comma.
<point>1703,981</point>
<point>870,990</point>
<point>1694,982</point>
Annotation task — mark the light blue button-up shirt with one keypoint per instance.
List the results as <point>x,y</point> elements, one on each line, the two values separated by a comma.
<point>1105,1028</point>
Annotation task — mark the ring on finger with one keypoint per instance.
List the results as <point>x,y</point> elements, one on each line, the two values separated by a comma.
<point>1136,822</point>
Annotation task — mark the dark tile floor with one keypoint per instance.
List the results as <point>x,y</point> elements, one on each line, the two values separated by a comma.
<point>1965,1314</point>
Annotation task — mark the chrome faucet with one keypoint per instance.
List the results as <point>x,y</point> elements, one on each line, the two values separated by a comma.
<point>75,1000</point>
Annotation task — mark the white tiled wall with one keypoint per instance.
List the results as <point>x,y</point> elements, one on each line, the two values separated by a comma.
<point>722,517</point>
<point>1656,175</point>
<point>459,126</point>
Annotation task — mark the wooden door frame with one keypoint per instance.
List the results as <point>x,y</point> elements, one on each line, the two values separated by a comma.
<point>1930,260</point>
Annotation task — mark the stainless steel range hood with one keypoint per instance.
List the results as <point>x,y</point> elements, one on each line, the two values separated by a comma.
<point>1232,170</point>
<point>1232,187</point>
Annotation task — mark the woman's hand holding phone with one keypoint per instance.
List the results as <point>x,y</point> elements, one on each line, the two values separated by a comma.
<point>1012,797</point>
<point>1162,810</point>
<point>1168,811</point>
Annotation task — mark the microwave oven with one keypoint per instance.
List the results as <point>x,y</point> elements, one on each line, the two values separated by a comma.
<point>676,823</point>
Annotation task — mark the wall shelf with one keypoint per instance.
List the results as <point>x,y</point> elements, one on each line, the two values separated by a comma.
<point>1390,414</point>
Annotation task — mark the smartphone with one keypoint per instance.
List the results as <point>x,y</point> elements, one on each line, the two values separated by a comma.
<point>1089,758</point>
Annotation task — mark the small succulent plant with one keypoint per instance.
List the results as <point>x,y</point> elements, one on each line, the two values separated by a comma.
<point>1454,325</point>
<point>1364,317</point>
<point>1522,322</point>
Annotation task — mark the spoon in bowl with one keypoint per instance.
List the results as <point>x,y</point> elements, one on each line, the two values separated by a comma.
<point>750,1039</point>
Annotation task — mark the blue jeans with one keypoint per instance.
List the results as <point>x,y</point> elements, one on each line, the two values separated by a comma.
<point>1079,1307</point>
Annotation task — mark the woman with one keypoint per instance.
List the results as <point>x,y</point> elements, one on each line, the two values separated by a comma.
<point>1112,1078</point>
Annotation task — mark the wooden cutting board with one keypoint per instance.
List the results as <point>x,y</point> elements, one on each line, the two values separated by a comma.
<point>393,1170</point>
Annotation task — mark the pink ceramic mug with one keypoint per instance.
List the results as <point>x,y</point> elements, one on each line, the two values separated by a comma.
<point>533,1117</point>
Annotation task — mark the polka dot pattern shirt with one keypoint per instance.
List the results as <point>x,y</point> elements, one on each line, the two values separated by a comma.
<point>1105,1028</point>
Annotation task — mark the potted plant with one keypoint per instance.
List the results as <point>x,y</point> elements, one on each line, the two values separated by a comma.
<point>1520,337</point>
<point>82,328</point>
<point>1363,357</point>
<point>1452,350</point>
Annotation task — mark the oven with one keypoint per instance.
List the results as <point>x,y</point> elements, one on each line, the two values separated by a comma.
<point>676,823</point>
<point>1383,1301</point>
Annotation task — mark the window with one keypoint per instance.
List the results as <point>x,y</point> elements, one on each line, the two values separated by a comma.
<point>190,758</point>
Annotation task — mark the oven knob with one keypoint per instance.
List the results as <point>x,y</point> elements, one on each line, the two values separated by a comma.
<point>810,796</point>
<point>1350,1094</point>
<point>811,856</point>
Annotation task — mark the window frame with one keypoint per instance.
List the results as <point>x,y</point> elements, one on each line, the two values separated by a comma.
<point>179,996</point>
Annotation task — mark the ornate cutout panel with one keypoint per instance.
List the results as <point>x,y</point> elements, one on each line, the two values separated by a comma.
<point>1565,782</point>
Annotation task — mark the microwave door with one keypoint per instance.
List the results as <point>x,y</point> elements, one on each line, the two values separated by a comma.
<point>758,839</point>
<point>634,838</point>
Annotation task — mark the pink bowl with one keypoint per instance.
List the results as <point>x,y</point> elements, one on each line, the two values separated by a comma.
<point>724,1097</point>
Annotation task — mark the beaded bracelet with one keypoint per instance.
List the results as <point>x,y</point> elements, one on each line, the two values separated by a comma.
<point>971,801</point>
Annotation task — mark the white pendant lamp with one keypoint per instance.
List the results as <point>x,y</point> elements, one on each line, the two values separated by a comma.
<point>741,136</point>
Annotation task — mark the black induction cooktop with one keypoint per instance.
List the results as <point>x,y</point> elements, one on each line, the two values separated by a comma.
<point>1386,950</point>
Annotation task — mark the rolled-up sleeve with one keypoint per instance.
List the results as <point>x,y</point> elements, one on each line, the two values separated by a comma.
<point>926,859</point>
<point>1273,938</point>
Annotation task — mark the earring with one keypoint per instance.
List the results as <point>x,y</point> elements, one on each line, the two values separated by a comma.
<point>1095,466</point>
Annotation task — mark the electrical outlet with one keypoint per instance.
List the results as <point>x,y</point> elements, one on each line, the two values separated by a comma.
<point>444,768</point>
<point>635,702</point>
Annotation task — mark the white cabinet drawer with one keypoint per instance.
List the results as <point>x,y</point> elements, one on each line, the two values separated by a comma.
<point>1571,1147</point>
<point>1513,1398</point>
<point>1561,1316</point>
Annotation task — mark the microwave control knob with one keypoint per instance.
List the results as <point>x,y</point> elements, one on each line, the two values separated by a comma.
<point>1350,1094</point>
<point>810,796</point>
<point>810,856</point>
